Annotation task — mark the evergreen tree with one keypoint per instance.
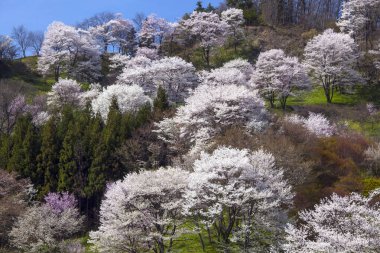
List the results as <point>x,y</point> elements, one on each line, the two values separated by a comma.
<point>199,7</point>
<point>5,151</point>
<point>161,102</point>
<point>24,147</point>
<point>102,167</point>
<point>47,160</point>
<point>67,161</point>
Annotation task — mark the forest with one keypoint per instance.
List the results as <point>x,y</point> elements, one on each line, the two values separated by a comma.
<point>250,126</point>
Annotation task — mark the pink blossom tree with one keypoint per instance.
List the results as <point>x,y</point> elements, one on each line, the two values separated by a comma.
<point>46,225</point>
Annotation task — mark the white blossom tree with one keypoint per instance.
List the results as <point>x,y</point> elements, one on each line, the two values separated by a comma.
<point>315,123</point>
<point>237,72</point>
<point>118,62</point>
<point>151,53</point>
<point>330,58</point>
<point>243,65</point>
<point>142,212</point>
<point>154,30</point>
<point>175,75</point>
<point>129,98</point>
<point>208,111</point>
<point>235,20</point>
<point>209,29</point>
<point>64,92</point>
<point>86,97</point>
<point>357,18</point>
<point>233,185</point>
<point>66,48</point>
<point>376,54</point>
<point>337,224</point>
<point>137,71</point>
<point>278,75</point>
<point>123,35</point>
<point>7,50</point>
<point>116,32</point>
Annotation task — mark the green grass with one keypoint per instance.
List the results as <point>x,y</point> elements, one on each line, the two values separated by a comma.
<point>25,69</point>
<point>369,128</point>
<point>188,242</point>
<point>317,97</point>
<point>370,184</point>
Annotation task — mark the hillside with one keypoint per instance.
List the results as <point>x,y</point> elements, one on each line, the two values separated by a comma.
<point>247,127</point>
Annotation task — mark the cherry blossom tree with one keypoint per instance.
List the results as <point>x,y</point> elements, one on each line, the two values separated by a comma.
<point>233,185</point>
<point>330,58</point>
<point>209,29</point>
<point>176,76</point>
<point>123,35</point>
<point>173,74</point>
<point>154,30</point>
<point>315,123</point>
<point>337,224</point>
<point>45,225</point>
<point>59,202</point>
<point>118,32</point>
<point>118,62</point>
<point>142,212</point>
<point>7,50</point>
<point>237,72</point>
<point>129,98</point>
<point>278,75</point>
<point>242,65</point>
<point>235,20</point>
<point>137,71</point>
<point>358,16</point>
<point>64,92</point>
<point>68,49</point>
<point>151,53</point>
<point>376,54</point>
<point>88,96</point>
<point>208,111</point>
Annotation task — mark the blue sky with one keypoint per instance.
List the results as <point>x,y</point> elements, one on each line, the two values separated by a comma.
<point>38,14</point>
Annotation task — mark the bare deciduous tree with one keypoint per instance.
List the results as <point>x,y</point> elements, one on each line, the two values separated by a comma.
<point>20,35</point>
<point>35,41</point>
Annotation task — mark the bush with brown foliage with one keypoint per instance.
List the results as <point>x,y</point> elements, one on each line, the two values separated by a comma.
<point>338,169</point>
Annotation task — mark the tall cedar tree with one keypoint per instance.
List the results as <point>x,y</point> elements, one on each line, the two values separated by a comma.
<point>47,160</point>
<point>101,168</point>
<point>25,148</point>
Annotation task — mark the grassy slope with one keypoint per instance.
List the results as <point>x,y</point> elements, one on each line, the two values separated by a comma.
<point>317,97</point>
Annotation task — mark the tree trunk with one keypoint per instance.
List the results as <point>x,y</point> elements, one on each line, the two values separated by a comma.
<point>202,242</point>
